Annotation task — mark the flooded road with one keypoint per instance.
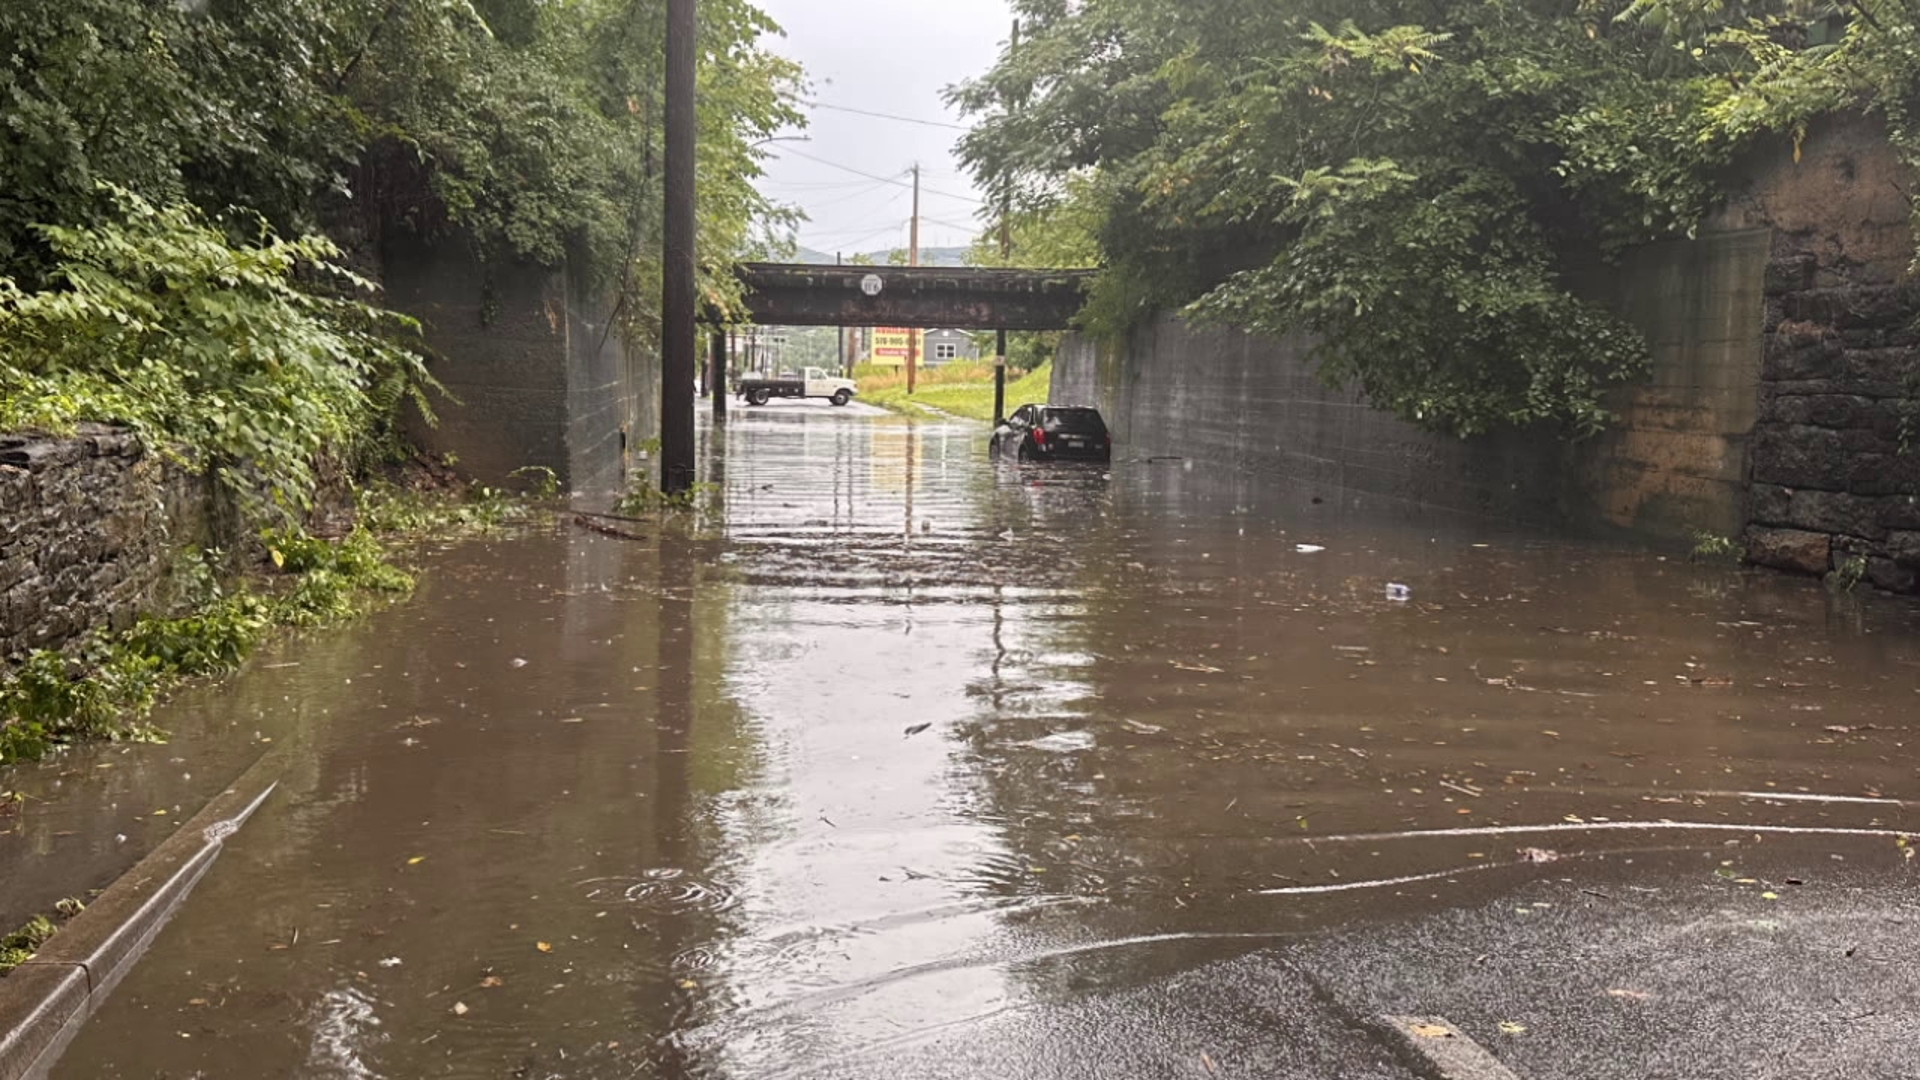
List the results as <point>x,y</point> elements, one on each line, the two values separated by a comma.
<point>896,752</point>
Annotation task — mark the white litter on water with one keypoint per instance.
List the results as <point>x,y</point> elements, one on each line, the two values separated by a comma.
<point>1308,549</point>
<point>1064,742</point>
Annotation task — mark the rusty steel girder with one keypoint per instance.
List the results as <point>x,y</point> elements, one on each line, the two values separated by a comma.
<point>924,297</point>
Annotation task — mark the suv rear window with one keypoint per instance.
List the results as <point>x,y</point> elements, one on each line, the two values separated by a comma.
<point>1079,421</point>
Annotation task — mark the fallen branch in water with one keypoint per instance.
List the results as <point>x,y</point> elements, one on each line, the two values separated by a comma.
<point>615,517</point>
<point>586,522</point>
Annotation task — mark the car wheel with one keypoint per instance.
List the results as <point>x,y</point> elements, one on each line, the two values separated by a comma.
<point>759,396</point>
<point>841,397</point>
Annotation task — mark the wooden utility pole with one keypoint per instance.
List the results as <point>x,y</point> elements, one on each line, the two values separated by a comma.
<point>1006,257</point>
<point>913,259</point>
<point>839,260</point>
<point>718,376</point>
<point>679,339</point>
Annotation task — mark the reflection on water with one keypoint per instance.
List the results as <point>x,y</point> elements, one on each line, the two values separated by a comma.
<point>903,741</point>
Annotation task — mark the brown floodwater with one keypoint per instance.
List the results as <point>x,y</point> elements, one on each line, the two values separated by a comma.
<point>893,739</point>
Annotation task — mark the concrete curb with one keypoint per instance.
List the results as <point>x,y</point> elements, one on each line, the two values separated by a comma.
<point>1443,1050</point>
<point>45,1001</point>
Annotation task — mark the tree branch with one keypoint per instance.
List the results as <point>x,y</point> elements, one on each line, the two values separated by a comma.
<point>393,8</point>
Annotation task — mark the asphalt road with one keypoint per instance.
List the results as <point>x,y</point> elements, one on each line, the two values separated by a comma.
<point>895,763</point>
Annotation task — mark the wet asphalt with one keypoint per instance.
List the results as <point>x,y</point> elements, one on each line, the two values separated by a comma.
<point>896,763</point>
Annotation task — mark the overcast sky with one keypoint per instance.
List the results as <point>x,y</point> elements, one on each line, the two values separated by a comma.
<point>885,56</point>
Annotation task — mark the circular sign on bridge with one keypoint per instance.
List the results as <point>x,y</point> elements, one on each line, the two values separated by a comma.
<point>871,284</point>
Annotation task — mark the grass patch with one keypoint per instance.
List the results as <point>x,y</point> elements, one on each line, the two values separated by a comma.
<point>960,389</point>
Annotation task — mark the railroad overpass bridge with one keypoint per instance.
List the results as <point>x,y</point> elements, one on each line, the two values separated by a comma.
<point>916,297</point>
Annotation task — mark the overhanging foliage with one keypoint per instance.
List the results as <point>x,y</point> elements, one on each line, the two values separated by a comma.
<point>1412,184</point>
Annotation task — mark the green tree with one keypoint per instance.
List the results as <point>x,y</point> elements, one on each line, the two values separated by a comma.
<point>1412,184</point>
<point>155,156</point>
<point>532,128</point>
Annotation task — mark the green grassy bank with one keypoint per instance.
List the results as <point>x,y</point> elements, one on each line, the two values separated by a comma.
<point>960,389</point>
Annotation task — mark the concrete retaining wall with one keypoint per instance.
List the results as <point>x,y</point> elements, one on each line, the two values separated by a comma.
<point>525,352</point>
<point>1677,460</point>
<point>89,526</point>
<point>1252,406</point>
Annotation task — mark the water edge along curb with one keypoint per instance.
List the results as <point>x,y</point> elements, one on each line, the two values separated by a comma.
<point>45,1001</point>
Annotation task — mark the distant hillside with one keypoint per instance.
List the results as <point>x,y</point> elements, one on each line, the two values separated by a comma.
<point>940,256</point>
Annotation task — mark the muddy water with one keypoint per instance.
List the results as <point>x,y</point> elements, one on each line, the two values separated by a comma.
<point>895,741</point>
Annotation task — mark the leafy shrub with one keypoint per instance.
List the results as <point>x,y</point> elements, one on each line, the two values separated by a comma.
<point>18,947</point>
<point>47,700</point>
<point>249,360</point>
<point>1712,545</point>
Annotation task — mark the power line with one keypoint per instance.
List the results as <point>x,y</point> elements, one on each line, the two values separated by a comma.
<point>889,116</point>
<point>869,190</point>
<point>827,185</point>
<point>859,240</point>
<point>894,179</point>
<point>857,230</point>
<point>975,227</point>
<point>956,198</point>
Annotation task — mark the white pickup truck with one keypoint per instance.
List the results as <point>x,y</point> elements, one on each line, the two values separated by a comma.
<point>812,383</point>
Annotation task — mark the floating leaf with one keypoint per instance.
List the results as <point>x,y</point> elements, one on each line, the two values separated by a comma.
<point>543,946</point>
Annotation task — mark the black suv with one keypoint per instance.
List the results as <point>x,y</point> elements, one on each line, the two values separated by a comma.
<point>1053,433</point>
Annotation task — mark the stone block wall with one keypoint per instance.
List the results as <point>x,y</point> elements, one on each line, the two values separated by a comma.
<point>89,525</point>
<point>1835,461</point>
